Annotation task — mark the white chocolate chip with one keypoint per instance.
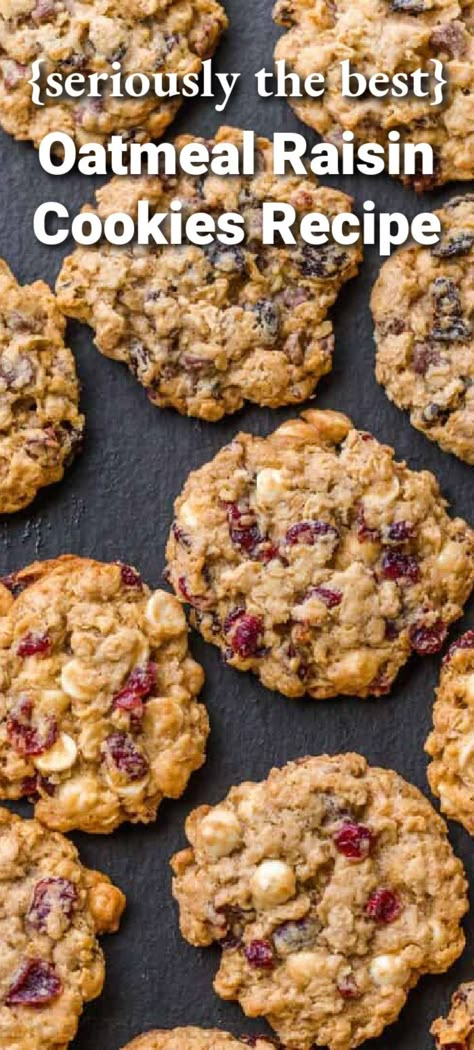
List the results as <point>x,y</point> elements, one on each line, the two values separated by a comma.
<point>62,755</point>
<point>274,882</point>
<point>451,559</point>
<point>389,970</point>
<point>303,966</point>
<point>189,514</point>
<point>468,684</point>
<point>73,681</point>
<point>165,615</point>
<point>382,492</point>
<point>78,795</point>
<point>466,750</point>
<point>270,486</point>
<point>220,833</point>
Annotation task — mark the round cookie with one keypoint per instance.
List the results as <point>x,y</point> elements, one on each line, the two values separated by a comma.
<point>195,1039</point>
<point>456,1032</point>
<point>51,911</point>
<point>147,36</point>
<point>314,883</point>
<point>98,717</point>
<point>204,329</point>
<point>451,744</point>
<point>422,304</point>
<point>314,559</point>
<point>392,37</point>
<point>40,424</point>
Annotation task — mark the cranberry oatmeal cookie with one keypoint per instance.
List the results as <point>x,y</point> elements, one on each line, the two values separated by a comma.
<point>196,1039</point>
<point>98,716</point>
<point>204,329</point>
<point>40,424</point>
<point>423,308</point>
<point>451,744</point>
<point>456,1032</point>
<point>314,559</point>
<point>331,888</point>
<point>52,909</point>
<point>88,36</point>
<point>387,36</point>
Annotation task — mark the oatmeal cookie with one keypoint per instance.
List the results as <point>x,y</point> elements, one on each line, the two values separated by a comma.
<point>146,36</point>
<point>196,1039</point>
<point>423,306</point>
<point>98,712</point>
<point>204,329</point>
<point>314,559</point>
<point>457,1031</point>
<point>40,424</point>
<point>52,909</point>
<point>451,744</point>
<point>387,36</point>
<point>331,888</point>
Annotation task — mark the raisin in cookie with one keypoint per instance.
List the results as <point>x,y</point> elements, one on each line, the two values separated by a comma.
<point>195,1039</point>
<point>98,712</point>
<point>456,1032</point>
<point>314,559</point>
<point>387,36</point>
<point>423,308</point>
<point>204,329</point>
<point>451,744</point>
<point>146,36</point>
<point>40,424</point>
<point>52,909</point>
<point>331,888</point>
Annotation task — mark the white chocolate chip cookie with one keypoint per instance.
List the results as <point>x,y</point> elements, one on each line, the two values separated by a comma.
<point>456,1032</point>
<point>451,744</point>
<point>195,1039</point>
<point>98,712</point>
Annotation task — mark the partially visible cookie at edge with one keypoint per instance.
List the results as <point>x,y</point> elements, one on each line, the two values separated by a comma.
<point>451,743</point>
<point>205,329</point>
<point>423,309</point>
<point>51,909</point>
<point>99,719</point>
<point>40,423</point>
<point>331,888</point>
<point>456,1032</point>
<point>163,37</point>
<point>316,560</point>
<point>196,1039</point>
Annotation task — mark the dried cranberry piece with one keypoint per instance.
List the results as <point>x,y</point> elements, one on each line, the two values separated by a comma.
<point>398,532</point>
<point>331,596</point>
<point>244,632</point>
<point>196,600</point>
<point>466,641</point>
<point>307,532</point>
<point>396,566</point>
<point>383,906</point>
<point>139,685</point>
<point>49,894</point>
<point>354,841</point>
<point>428,640</point>
<point>181,536</point>
<point>121,749</point>
<point>259,954</point>
<point>348,987</point>
<point>364,533</point>
<point>130,576</point>
<point>33,644</point>
<point>26,738</point>
<point>243,528</point>
<point>35,984</point>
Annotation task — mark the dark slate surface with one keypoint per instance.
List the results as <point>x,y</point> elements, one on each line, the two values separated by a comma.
<point>116,502</point>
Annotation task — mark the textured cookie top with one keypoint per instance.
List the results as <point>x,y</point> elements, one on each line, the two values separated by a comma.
<point>423,304</point>
<point>204,329</point>
<point>88,36</point>
<point>40,424</point>
<point>387,36</point>
<point>314,559</point>
<point>195,1039</point>
<point>331,888</point>
<point>451,744</point>
<point>51,910</point>
<point>98,716</point>
<point>456,1032</point>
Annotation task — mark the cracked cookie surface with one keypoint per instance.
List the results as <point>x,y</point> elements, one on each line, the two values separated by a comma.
<point>52,910</point>
<point>392,37</point>
<point>314,559</point>
<point>204,329</point>
<point>451,744</point>
<point>98,714</point>
<point>456,1032</point>
<point>40,424</point>
<point>423,308</point>
<point>195,1039</point>
<point>88,36</point>
<point>331,888</point>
